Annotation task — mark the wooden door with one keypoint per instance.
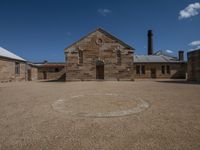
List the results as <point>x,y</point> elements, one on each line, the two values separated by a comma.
<point>100,72</point>
<point>29,74</point>
<point>153,73</point>
<point>45,75</point>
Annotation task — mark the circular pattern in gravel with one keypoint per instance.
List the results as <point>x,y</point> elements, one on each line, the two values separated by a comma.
<point>100,105</point>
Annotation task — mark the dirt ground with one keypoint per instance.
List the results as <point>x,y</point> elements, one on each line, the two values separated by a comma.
<point>107,115</point>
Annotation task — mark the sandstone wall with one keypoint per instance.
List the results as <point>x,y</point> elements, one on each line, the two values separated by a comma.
<point>105,51</point>
<point>7,70</point>
<point>177,70</point>
<point>194,65</point>
<point>50,72</point>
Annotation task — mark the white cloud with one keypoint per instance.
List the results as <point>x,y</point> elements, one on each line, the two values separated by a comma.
<point>169,51</point>
<point>104,11</point>
<point>195,45</point>
<point>191,10</point>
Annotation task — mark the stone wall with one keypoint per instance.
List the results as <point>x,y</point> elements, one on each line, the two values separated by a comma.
<point>194,65</point>
<point>97,47</point>
<point>177,70</point>
<point>32,72</point>
<point>7,70</point>
<point>51,72</point>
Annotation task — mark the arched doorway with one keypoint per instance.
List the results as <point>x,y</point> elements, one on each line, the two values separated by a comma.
<point>99,69</point>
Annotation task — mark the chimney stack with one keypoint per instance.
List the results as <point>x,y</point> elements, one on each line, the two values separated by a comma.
<point>150,42</point>
<point>181,55</point>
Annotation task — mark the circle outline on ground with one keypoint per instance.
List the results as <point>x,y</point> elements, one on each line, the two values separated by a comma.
<point>142,105</point>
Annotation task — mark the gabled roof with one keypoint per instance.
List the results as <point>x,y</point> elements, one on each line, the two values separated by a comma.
<point>7,54</point>
<point>107,34</point>
<point>155,59</point>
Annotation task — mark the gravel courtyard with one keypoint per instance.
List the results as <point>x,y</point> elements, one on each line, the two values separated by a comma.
<point>103,115</point>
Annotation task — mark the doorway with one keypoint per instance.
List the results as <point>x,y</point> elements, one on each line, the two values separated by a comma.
<point>29,75</point>
<point>153,73</point>
<point>100,70</point>
<point>45,75</point>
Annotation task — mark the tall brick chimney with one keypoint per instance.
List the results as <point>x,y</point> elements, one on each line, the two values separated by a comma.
<point>150,42</point>
<point>181,55</point>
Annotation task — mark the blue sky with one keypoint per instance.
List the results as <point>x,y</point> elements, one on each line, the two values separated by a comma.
<point>39,30</point>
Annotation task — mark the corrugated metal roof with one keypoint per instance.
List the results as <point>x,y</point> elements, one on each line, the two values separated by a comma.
<point>8,54</point>
<point>154,59</point>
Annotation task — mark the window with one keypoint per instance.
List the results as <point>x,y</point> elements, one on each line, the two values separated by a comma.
<point>118,57</point>
<point>168,69</point>
<point>137,69</point>
<point>80,57</point>
<point>65,57</point>
<point>56,69</point>
<point>143,69</point>
<point>163,69</point>
<point>17,68</point>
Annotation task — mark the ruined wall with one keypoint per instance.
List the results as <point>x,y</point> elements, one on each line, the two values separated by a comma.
<point>194,65</point>
<point>51,73</point>
<point>98,47</point>
<point>7,71</point>
<point>177,70</point>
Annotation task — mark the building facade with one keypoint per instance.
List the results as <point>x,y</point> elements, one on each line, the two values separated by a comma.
<point>194,65</point>
<point>99,55</point>
<point>153,66</point>
<point>12,67</point>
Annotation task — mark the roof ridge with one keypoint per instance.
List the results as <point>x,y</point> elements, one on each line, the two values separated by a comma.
<point>103,32</point>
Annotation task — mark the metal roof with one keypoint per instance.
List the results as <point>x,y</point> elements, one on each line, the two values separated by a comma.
<point>7,54</point>
<point>154,59</point>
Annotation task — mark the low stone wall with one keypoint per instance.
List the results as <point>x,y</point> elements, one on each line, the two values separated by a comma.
<point>49,73</point>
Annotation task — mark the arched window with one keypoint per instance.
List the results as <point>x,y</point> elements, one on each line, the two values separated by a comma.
<point>80,56</point>
<point>118,57</point>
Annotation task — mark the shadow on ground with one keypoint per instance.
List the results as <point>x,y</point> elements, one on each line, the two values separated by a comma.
<point>60,79</point>
<point>179,81</point>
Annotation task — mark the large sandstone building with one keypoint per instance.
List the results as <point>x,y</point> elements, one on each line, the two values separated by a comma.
<point>99,55</point>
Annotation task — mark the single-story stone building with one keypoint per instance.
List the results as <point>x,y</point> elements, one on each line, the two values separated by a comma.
<point>159,66</point>
<point>12,67</point>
